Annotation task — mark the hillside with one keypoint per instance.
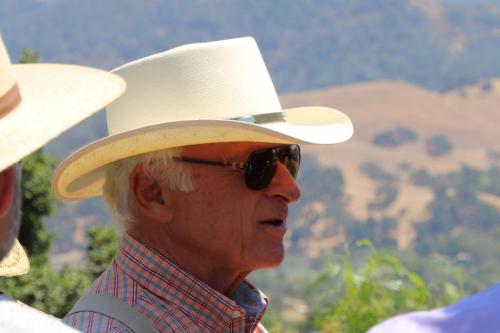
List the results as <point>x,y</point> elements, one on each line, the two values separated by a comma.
<point>308,45</point>
<point>468,118</point>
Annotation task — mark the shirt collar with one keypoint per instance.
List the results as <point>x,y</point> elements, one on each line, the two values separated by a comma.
<point>162,277</point>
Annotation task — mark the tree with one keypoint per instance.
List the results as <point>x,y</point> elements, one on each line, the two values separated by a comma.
<point>438,145</point>
<point>102,246</point>
<point>38,201</point>
<point>28,56</point>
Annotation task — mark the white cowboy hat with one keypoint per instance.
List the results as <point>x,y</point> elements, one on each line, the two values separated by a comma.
<point>37,103</point>
<point>198,93</point>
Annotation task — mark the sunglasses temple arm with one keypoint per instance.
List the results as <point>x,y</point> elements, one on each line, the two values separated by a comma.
<point>235,165</point>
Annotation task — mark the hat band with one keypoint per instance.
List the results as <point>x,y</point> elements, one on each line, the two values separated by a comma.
<point>272,117</point>
<point>10,100</point>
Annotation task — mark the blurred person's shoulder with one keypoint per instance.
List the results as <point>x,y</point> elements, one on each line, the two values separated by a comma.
<point>475,313</point>
<point>16,316</point>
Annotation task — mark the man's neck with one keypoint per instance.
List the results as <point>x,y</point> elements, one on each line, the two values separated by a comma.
<point>195,263</point>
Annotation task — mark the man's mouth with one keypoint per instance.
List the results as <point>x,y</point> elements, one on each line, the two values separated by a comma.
<point>276,223</point>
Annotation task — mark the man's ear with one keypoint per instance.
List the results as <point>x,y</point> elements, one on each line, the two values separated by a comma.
<point>6,190</point>
<point>148,195</point>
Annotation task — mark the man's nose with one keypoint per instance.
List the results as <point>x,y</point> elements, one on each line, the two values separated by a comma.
<point>284,185</point>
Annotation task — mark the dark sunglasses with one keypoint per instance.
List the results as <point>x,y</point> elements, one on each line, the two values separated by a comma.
<point>260,166</point>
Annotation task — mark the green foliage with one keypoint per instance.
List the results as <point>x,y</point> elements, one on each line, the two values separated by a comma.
<point>28,56</point>
<point>456,210</point>
<point>38,201</point>
<point>377,230</point>
<point>461,227</point>
<point>272,323</point>
<point>102,246</point>
<point>489,181</point>
<point>51,291</point>
<point>56,291</point>
<point>380,288</point>
<point>390,40</point>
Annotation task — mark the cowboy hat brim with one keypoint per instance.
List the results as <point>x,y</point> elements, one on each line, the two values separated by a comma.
<point>16,261</point>
<point>82,174</point>
<point>53,98</point>
<point>37,103</point>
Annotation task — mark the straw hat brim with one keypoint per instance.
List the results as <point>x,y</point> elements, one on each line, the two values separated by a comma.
<point>81,175</point>
<point>41,102</point>
<point>53,98</point>
<point>15,262</point>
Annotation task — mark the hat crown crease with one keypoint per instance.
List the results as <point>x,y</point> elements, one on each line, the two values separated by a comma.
<point>207,81</point>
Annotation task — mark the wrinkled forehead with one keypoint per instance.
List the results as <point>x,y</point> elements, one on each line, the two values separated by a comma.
<point>229,150</point>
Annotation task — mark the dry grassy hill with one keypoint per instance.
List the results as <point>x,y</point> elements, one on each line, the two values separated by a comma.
<point>469,118</point>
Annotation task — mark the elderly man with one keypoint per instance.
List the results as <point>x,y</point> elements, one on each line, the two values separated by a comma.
<point>37,103</point>
<point>199,168</point>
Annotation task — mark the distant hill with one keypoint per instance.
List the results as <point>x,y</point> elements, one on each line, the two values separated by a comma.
<point>307,44</point>
<point>468,119</point>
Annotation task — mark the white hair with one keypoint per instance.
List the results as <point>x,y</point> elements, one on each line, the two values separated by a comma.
<point>158,165</point>
<point>14,215</point>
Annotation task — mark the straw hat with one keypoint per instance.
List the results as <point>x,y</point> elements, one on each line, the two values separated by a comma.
<point>37,103</point>
<point>15,262</point>
<point>198,93</point>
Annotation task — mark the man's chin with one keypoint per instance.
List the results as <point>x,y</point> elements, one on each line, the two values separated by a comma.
<point>273,259</point>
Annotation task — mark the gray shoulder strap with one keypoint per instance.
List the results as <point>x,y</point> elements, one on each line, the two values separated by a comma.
<point>111,307</point>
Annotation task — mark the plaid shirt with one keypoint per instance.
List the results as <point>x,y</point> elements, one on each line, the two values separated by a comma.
<point>173,300</point>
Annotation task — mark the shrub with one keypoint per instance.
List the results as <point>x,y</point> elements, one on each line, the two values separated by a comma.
<point>395,137</point>
<point>385,196</point>
<point>376,173</point>
<point>438,145</point>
